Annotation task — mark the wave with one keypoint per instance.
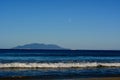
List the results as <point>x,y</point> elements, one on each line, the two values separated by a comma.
<point>57,65</point>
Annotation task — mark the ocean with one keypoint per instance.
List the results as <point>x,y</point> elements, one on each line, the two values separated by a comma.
<point>59,64</point>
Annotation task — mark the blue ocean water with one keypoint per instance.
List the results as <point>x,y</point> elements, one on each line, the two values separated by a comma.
<point>60,64</point>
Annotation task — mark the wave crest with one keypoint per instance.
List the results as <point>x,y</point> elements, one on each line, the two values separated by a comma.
<point>57,65</point>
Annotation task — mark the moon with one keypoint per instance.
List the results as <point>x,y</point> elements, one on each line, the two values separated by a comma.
<point>69,20</point>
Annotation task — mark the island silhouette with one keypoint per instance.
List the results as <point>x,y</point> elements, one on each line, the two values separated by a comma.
<point>39,46</point>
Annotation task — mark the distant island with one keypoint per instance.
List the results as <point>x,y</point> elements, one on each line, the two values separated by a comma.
<point>39,46</point>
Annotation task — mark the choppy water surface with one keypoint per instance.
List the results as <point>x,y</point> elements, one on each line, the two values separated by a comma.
<point>60,65</point>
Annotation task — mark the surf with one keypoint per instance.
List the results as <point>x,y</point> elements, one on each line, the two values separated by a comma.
<point>57,65</point>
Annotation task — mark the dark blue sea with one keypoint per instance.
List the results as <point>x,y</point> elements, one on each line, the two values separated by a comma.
<point>65,64</point>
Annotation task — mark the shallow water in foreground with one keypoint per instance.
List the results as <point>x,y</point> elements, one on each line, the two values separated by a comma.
<point>60,65</point>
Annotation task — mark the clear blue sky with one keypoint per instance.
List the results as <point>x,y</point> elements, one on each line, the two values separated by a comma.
<point>75,24</point>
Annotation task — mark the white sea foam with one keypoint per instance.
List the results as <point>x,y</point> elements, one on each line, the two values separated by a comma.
<point>57,65</point>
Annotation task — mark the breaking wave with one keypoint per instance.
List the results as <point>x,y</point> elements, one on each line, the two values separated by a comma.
<point>57,65</point>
